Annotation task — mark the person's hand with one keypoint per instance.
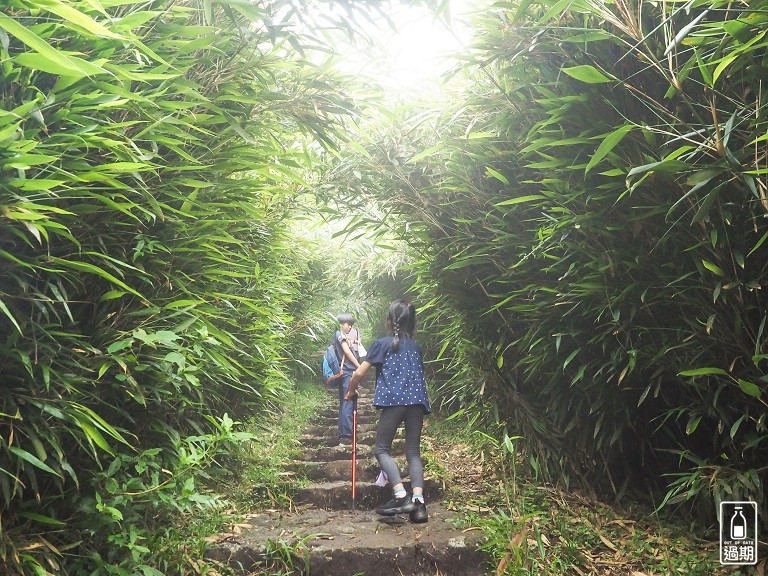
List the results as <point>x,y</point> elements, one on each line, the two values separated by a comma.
<point>350,395</point>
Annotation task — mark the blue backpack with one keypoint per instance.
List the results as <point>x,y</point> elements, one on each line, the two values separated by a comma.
<point>331,367</point>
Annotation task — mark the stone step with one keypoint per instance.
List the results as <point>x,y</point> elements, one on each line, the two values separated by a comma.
<point>343,543</point>
<point>333,425</point>
<point>364,450</point>
<point>367,469</point>
<point>337,495</point>
<point>328,413</point>
<point>332,412</point>
<point>332,429</point>
<point>332,420</point>
<point>317,441</point>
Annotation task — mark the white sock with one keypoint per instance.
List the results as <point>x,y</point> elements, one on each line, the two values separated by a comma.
<point>418,498</point>
<point>400,493</point>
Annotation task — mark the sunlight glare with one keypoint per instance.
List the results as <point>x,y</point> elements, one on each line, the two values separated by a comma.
<point>415,54</point>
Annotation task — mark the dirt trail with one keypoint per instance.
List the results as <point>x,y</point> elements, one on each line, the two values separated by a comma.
<point>328,537</point>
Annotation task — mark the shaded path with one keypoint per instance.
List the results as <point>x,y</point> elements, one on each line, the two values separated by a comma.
<point>327,537</point>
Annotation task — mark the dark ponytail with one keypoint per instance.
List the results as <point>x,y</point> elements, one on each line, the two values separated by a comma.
<point>402,321</point>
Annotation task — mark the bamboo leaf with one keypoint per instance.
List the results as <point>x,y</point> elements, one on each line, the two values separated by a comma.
<point>77,18</point>
<point>608,144</point>
<point>570,357</point>
<point>94,435</point>
<point>722,65</point>
<point>713,268</point>
<point>424,153</point>
<point>750,388</point>
<point>42,519</point>
<point>32,459</point>
<point>587,73</point>
<point>736,425</point>
<point>758,244</point>
<point>703,372</point>
<point>9,315</point>
<point>693,423</point>
<point>521,200</point>
<point>662,166</point>
<point>45,54</point>
<point>684,32</point>
<point>498,175</point>
<point>95,270</point>
<point>706,204</point>
<point>481,135</point>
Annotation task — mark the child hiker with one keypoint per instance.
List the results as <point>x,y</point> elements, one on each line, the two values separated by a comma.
<point>347,340</point>
<point>401,394</point>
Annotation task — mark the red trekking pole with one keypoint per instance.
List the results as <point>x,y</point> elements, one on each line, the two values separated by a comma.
<point>354,452</point>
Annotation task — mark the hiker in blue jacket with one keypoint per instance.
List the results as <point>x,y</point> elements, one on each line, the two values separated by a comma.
<point>347,339</point>
<point>401,395</point>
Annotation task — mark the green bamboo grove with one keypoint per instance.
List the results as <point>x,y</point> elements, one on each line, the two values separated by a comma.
<point>149,153</point>
<point>589,225</point>
<point>583,228</point>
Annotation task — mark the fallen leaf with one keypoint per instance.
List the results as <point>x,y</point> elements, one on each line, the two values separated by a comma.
<point>608,543</point>
<point>244,525</point>
<point>627,524</point>
<point>215,538</point>
<point>518,539</point>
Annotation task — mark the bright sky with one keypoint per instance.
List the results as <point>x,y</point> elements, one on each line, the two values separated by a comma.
<point>413,56</point>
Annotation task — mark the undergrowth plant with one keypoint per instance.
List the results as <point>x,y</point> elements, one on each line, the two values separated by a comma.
<point>255,473</point>
<point>253,477</point>
<point>532,527</point>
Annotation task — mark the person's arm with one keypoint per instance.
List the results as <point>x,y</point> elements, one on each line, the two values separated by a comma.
<point>348,354</point>
<point>357,376</point>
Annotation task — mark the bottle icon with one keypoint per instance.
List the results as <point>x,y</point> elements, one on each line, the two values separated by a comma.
<point>738,524</point>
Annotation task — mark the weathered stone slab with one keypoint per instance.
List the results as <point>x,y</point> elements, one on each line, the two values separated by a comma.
<point>343,543</point>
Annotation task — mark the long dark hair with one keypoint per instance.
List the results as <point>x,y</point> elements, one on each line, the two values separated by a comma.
<point>401,319</point>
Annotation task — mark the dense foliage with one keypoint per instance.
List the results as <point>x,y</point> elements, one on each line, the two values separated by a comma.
<point>347,272</point>
<point>589,223</point>
<point>149,155</point>
<point>585,230</point>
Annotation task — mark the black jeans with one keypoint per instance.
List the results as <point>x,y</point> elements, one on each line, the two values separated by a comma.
<point>390,419</point>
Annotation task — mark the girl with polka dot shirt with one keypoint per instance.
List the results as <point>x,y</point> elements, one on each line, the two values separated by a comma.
<point>401,395</point>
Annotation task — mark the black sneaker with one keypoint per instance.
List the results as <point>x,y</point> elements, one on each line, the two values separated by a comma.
<point>345,441</point>
<point>419,514</point>
<point>402,505</point>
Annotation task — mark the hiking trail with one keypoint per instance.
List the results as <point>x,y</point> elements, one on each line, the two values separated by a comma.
<point>327,536</point>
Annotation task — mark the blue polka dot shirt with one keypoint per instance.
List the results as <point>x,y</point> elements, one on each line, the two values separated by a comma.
<point>399,375</point>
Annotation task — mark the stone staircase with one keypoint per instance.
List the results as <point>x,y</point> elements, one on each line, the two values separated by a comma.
<point>328,535</point>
